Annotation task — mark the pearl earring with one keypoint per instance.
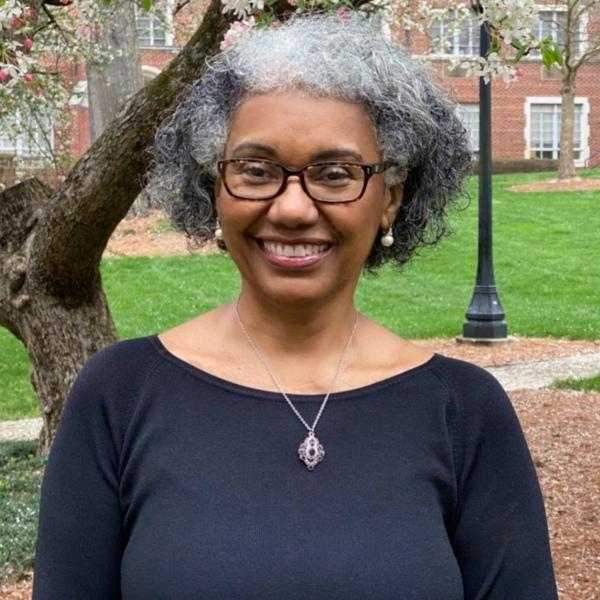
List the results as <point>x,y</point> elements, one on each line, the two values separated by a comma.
<point>387,240</point>
<point>218,232</point>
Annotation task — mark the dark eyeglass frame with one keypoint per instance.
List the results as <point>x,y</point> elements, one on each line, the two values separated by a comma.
<point>368,169</point>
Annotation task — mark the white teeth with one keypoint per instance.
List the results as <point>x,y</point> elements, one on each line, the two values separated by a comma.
<point>299,250</point>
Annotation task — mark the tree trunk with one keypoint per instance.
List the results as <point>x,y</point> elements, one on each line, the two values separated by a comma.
<point>51,242</point>
<point>111,83</point>
<point>566,163</point>
<point>58,337</point>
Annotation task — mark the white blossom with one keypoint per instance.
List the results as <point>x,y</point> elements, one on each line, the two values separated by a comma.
<point>242,8</point>
<point>237,30</point>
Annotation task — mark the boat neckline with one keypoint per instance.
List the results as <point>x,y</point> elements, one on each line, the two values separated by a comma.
<point>241,389</point>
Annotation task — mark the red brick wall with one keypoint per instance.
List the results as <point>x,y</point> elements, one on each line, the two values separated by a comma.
<point>508,103</point>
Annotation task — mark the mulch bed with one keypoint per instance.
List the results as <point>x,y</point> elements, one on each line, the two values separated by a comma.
<point>563,431</point>
<point>567,185</point>
<point>150,236</point>
<point>516,350</point>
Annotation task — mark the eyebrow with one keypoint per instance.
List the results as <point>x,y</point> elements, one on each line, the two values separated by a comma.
<point>328,154</point>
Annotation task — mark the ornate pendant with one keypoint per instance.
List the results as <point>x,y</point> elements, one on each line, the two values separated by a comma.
<point>311,451</point>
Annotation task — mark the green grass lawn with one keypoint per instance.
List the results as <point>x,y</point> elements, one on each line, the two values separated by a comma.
<point>591,384</point>
<point>547,265</point>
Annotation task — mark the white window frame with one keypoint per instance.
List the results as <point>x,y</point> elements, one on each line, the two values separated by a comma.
<point>80,95</point>
<point>169,30</point>
<point>584,125</point>
<point>21,149</point>
<point>474,139</point>
<point>535,55</point>
<point>455,41</point>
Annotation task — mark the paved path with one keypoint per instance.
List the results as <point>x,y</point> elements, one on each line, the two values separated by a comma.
<point>530,375</point>
<point>21,429</point>
<point>541,373</point>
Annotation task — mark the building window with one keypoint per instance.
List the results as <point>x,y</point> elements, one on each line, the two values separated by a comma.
<point>80,95</point>
<point>553,23</point>
<point>455,39</point>
<point>154,29</point>
<point>31,139</point>
<point>544,130</point>
<point>469,115</point>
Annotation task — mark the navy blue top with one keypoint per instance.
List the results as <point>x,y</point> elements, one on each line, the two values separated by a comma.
<point>166,482</point>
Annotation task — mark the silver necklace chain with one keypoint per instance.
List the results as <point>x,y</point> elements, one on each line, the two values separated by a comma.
<point>311,451</point>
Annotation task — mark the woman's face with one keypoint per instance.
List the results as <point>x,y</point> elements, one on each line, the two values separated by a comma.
<point>295,129</point>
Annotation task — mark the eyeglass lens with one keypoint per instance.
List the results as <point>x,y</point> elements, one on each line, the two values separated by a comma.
<point>327,182</point>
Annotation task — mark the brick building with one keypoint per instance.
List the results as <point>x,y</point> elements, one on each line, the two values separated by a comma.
<point>525,115</point>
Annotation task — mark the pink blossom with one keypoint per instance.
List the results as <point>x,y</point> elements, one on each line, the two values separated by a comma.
<point>3,75</point>
<point>82,29</point>
<point>236,31</point>
<point>15,22</point>
<point>292,2</point>
<point>28,77</point>
<point>97,33</point>
<point>29,13</point>
<point>342,10</point>
<point>27,42</point>
<point>65,2</point>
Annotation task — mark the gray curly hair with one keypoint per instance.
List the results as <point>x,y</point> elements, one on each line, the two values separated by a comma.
<point>417,129</point>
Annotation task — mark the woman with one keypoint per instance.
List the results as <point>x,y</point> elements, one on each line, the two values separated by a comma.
<point>285,446</point>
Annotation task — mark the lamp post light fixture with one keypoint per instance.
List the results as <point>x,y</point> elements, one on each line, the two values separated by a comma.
<point>485,320</point>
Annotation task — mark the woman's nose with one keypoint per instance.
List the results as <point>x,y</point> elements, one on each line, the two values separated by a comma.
<point>293,207</point>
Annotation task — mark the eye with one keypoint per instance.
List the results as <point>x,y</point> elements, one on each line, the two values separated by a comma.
<point>335,175</point>
<point>255,171</point>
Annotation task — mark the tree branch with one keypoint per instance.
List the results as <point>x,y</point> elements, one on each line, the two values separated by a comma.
<point>586,57</point>
<point>102,185</point>
<point>181,4</point>
<point>52,20</point>
<point>105,181</point>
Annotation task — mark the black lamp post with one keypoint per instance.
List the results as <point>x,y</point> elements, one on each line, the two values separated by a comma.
<point>485,316</point>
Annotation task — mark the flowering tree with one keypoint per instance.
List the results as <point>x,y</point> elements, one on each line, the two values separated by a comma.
<point>38,39</point>
<point>41,38</point>
<point>42,41</point>
<point>51,240</point>
<point>579,48</point>
<point>511,24</point>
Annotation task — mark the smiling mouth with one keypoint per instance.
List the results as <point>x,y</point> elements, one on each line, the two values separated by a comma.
<point>293,250</point>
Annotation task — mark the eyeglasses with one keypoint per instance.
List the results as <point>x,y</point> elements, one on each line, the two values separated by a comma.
<point>332,182</point>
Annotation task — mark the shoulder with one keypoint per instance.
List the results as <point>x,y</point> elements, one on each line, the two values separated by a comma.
<point>485,422</point>
<point>110,379</point>
<point>481,403</point>
<point>120,362</point>
<point>104,394</point>
<point>463,377</point>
